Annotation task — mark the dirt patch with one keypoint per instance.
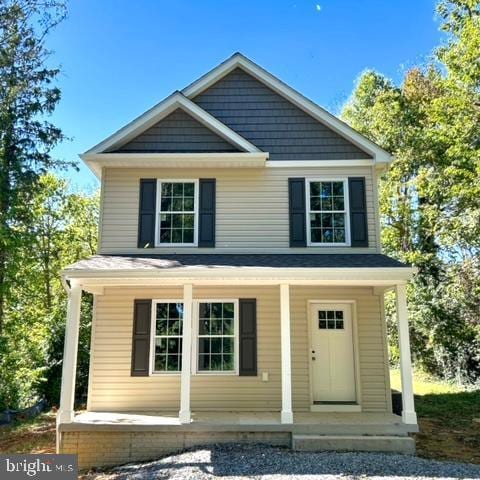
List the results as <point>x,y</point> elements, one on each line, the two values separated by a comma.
<point>37,436</point>
<point>442,442</point>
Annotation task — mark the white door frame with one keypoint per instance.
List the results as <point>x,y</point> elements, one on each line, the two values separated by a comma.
<point>356,360</point>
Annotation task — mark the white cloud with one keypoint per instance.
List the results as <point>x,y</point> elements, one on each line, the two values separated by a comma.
<point>318,7</point>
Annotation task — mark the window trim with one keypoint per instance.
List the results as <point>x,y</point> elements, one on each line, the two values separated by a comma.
<point>158,211</point>
<point>347,242</point>
<point>195,336</point>
<point>153,336</point>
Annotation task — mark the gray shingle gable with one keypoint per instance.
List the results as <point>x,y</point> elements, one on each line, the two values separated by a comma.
<point>178,133</point>
<point>271,122</point>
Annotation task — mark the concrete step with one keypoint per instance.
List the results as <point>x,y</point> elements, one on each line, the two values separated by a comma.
<point>381,429</point>
<point>354,443</point>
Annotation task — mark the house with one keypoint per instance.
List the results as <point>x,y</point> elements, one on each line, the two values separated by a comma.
<point>239,283</point>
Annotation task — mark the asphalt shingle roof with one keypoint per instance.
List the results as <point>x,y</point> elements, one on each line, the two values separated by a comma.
<point>182,261</point>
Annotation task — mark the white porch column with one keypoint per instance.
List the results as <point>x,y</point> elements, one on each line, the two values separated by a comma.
<point>287,414</point>
<point>408,412</point>
<point>69,369</point>
<point>185,414</point>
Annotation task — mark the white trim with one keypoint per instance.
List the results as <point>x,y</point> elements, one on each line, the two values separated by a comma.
<point>184,414</point>
<point>161,110</point>
<point>319,113</point>
<point>158,211</point>
<point>356,356</point>
<point>251,275</point>
<point>318,163</point>
<point>347,211</point>
<point>196,317</point>
<point>286,355</point>
<point>96,161</point>
<point>335,408</point>
<point>408,405</point>
<point>67,395</point>
<point>153,328</point>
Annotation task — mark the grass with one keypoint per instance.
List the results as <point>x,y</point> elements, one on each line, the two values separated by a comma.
<point>446,416</point>
<point>35,435</point>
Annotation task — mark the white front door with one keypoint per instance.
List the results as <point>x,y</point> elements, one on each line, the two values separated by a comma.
<point>332,356</point>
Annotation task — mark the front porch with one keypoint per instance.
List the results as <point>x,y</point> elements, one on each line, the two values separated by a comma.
<point>155,412</point>
<point>109,438</point>
<point>333,423</point>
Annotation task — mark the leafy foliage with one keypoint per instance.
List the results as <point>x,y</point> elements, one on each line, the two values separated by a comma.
<point>27,97</point>
<point>62,230</point>
<point>430,198</point>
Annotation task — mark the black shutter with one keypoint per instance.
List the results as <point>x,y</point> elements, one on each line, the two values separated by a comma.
<point>248,337</point>
<point>146,212</point>
<point>296,207</point>
<point>141,337</point>
<point>358,212</point>
<point>206,214</point>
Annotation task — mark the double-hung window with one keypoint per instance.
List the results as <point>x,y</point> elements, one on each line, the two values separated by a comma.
<point>217,336</point>
<point>168,336</point>
<point>327,212</point>
<point>177,212</point>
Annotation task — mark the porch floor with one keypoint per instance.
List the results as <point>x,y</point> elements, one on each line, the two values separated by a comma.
<point>303,422</point>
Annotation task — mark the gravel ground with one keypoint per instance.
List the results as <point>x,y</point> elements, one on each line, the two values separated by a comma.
<point>259,461</point>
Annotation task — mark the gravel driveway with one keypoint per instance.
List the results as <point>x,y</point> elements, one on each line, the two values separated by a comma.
<point>259,461</point>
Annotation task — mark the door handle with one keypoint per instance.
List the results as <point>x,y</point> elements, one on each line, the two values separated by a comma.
<point>313,358</point>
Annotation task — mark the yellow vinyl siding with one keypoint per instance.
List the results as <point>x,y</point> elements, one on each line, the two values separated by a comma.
<point>113,389</point>
<point>251,208</point>
<point>372,354</point>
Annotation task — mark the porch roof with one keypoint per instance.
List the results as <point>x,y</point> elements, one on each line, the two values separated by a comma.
<point>129,263</point>
<point>351,269</point>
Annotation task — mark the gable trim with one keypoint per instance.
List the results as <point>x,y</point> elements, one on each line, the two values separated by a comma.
<point>97,161</point>
<point>320,114</point>
<point>162,110</point>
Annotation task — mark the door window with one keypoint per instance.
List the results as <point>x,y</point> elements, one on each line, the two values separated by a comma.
<point>330,320</point>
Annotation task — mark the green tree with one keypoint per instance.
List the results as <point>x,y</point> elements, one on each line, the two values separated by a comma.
<point>62,229</point>
<point>430,197</point>
<point>27,97</point>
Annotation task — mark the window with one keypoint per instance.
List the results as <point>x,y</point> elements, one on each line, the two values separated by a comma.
<point>330,320</point>
<point>177,212</point>
<point>168,331</point>
<point>327,204</point>
<point>217,348</point>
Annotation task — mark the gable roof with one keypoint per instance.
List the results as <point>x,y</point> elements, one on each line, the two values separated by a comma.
<point>178,132</point>
<point>183,100</point>
<point>160,111</point>
<point>240,61</point>
<point>273,123</point>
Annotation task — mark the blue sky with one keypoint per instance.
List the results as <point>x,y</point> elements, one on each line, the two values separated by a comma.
<point>120,57</point>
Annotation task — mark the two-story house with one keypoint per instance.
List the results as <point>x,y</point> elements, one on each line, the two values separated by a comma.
<point>239,283</point>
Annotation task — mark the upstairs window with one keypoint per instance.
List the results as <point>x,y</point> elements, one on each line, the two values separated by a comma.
<point>327,212</point>
<point>177,212</point>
